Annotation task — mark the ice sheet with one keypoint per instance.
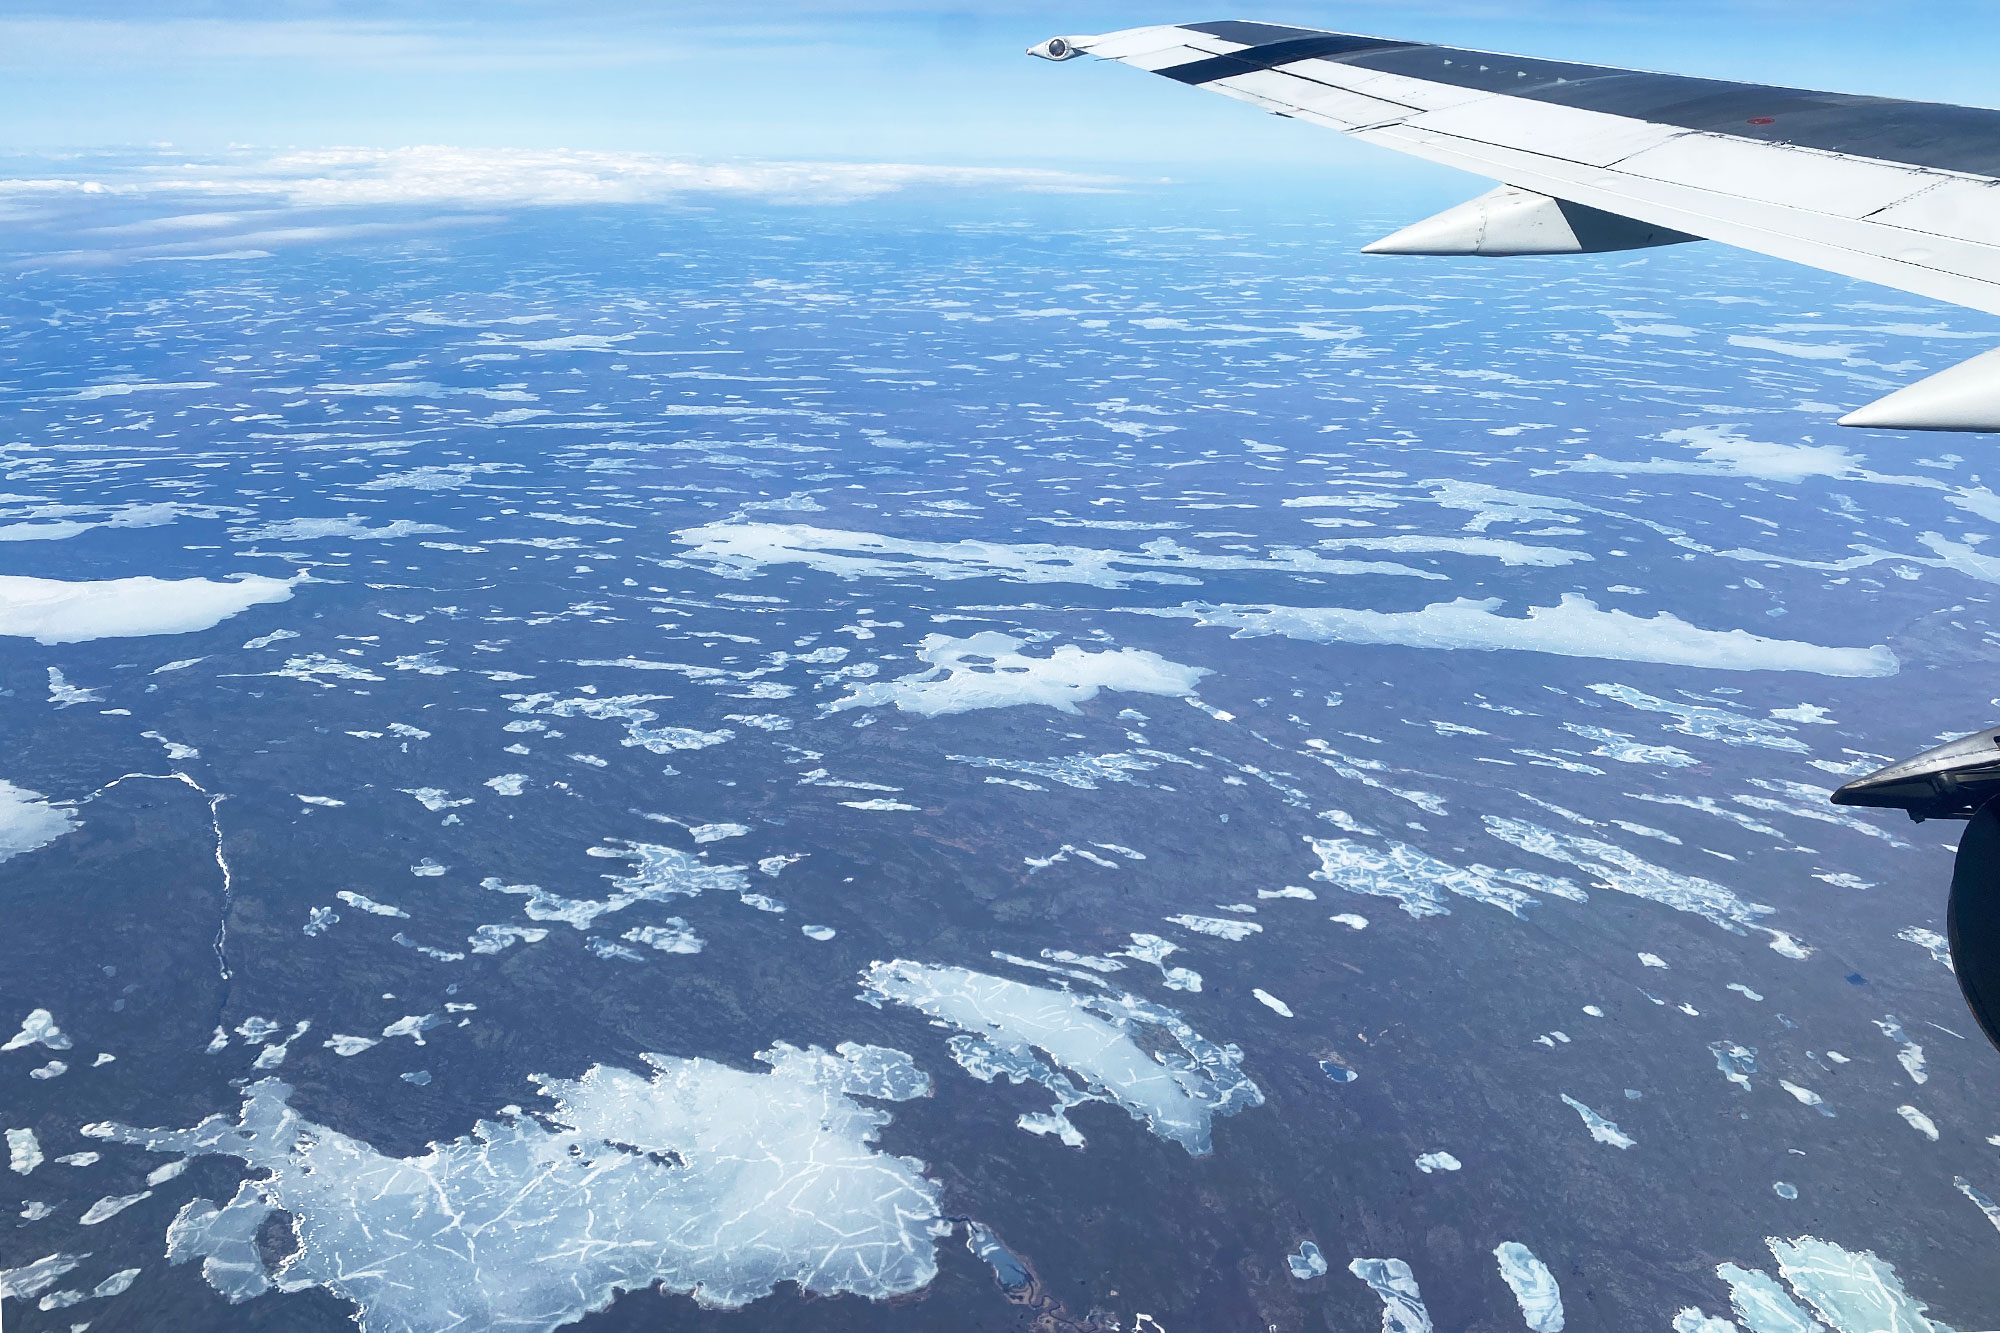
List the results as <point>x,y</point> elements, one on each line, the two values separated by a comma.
<point>709,1180</point>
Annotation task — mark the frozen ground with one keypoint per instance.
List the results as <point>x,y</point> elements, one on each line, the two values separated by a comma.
<point>613,749</point>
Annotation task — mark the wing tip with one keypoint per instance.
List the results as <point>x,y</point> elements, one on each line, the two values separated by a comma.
<point>1057,48</point>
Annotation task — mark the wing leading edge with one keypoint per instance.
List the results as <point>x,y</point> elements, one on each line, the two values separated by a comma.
<point>1594,158</point>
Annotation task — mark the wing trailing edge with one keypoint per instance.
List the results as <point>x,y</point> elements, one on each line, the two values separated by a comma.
<point>1596,159</point>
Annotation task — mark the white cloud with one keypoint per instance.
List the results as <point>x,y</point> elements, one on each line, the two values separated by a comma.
<point>439,175</point>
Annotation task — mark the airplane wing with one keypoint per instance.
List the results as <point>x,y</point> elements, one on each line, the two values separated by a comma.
<point>1594,159</point>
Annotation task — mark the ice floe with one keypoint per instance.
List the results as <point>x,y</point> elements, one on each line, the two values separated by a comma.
<point>1853,1292</point>
<point>706,1179</point>
<point>1627,873</point>
<point>38,1029</point>
<point>1271,1002</point>
<point>1511,553</point>
<point>52,611</point>
<point>1908,1053</point>
<point>1154,949</point>
<point>740,550</point>
<point>1935,944</point>
<point>1623,749</point>
<point>1575,627</point>
<point>1918,1121</point>
<point>1222,928</point>
<point>31,1280</point>
<point>1979,1200</point>
<point>1807,1097</point>
<point>351,527</point>
<point>64,694</point>
<point>28,822</point>
<point>1402,1303</point>
<point>1175,1093</point>
<point>989,670</point>
<point>1708,722</point>
<point>364,903</point>
<point>1736,1063</point>
<point>670,936</point>
<point>1604,1131</point>
<point>110,1206</point>
<point>626,708</point>
<point>1308,1263</point>
<point>24,1152</point>
<point>1419,882</point>
<point>1534,1286</point>
<point>1722,451</point>
<point>1437,1161</point>
<point>1082,771</point>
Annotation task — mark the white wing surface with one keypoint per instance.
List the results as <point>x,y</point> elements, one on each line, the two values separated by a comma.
<point>1595,158</point>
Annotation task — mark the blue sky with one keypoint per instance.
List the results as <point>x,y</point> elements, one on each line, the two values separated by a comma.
<point>857,80</point>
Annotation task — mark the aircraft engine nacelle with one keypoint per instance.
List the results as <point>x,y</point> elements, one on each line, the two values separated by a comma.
<point>1510,221</point>
<point>1957,780</point>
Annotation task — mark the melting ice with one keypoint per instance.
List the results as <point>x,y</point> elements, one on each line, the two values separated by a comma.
<point>702,1178</point>
<point>1088,1039</point>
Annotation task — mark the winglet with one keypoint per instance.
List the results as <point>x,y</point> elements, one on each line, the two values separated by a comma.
<point>1056,48</point>
<point>1964,398</point>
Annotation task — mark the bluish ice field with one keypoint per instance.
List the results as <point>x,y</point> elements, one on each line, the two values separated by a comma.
<point>977,762</point>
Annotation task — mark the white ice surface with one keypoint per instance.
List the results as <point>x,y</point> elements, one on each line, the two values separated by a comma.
<point>1807,1097</point>
<point>24,1152</point>
<point>1004,1023</point>
<point>1762,1304</point>
<point>39,1028</point>
<point>1604,1131</point>
<point>1852,1292</point>
<point>1271,1002</point>
<point>1308,1263</point>
<point>707,1179</point>
<point>1979,1200</point>
<point>1534,1286</point>
<point>1920,1122</point>
<point>53,611</point>
<point>30,1280</point>
<point>28,822</point>
<point>1575,627</point>
<point>989,670</point>
<point>742,549</point>
<point>352,527</point>
<point>1627,873</point>
<point>1709,722</point>
<point>1402,1304</point>
<point>1937,945</point>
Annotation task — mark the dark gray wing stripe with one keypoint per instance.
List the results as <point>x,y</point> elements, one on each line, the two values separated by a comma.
<point>1321,46</point>
<point>1252,34</point>
<point>1918,134</point>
